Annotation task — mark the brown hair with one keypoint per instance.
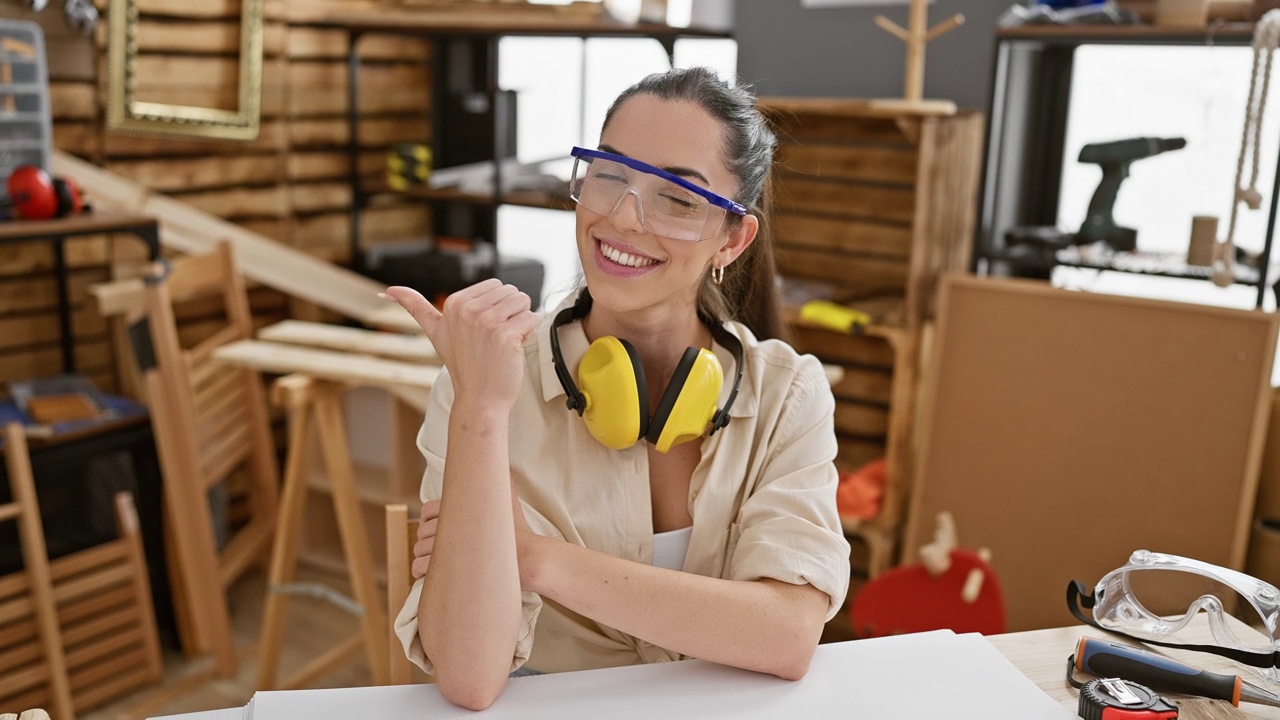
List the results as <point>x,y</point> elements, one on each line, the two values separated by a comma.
<point>749,292</point>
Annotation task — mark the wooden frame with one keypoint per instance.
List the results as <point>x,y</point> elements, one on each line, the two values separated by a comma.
<point>1064,430</point>
<point>401,534</point>
<point>128,114</point>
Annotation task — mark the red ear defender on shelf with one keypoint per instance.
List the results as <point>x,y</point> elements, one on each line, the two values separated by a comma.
<point>37,196</point>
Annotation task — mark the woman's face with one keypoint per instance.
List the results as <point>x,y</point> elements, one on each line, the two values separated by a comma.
<point>658,272</point>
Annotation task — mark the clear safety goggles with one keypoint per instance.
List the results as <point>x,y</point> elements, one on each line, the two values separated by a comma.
<point>1157,598</point>
<point>667,204</point>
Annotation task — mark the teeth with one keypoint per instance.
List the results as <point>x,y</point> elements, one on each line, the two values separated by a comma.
<point>622,258</point>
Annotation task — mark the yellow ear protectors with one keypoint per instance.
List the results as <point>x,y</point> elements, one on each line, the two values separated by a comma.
<point>613,399</point>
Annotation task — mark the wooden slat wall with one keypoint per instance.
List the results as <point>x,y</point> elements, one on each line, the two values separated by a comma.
<point>290,184</point>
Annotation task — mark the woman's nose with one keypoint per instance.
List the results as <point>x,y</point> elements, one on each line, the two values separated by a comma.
<point>628,216</point>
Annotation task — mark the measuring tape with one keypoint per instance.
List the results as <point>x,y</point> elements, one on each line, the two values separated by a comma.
<point>1116,699</point>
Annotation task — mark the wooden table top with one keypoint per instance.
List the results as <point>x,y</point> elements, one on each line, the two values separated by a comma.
<point>1042,656</point>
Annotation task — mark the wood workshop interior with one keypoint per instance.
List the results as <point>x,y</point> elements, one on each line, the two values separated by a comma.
<point>1030,245</point>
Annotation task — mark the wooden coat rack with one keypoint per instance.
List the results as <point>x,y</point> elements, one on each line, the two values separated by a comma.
<point>916,35</point>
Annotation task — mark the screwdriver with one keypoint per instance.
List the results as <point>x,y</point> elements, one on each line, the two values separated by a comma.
<point>1109,659</point>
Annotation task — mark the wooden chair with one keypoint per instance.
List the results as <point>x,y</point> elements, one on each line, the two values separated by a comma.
<point>210,422</point>
<point>28,611</point>
<point>94,618</point>
<point>401,534</point>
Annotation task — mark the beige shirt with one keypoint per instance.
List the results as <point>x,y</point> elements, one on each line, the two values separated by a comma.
<point>762,497</point>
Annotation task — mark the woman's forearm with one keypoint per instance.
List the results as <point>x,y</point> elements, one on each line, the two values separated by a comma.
<point>470,613</point>
<point>766,626</point>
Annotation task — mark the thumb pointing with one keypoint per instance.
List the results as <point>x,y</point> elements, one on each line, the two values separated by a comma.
<point>427,316</point>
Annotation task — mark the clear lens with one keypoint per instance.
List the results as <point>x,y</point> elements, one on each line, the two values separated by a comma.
<point>664,207</point>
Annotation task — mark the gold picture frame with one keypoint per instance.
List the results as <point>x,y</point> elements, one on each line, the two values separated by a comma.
<point>127,114</point>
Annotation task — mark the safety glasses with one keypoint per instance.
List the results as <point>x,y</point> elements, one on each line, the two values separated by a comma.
<point>667,204</point>
<point>1155,596</point>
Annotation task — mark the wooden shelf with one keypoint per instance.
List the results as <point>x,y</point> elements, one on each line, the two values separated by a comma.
<point>492,22</point>
<point>1119,34</point>
<point>524,198</point>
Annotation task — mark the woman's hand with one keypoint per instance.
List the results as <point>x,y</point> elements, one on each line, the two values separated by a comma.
<point>426,543</point>
<point>480,336</point>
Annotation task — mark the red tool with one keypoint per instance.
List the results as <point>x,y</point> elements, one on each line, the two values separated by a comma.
<point>37,196</point>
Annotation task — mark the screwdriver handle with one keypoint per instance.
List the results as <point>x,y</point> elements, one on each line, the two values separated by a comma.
<point>1109,659</point>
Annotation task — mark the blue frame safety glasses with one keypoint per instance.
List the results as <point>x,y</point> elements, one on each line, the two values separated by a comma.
<point>1156,596</point>
<point>666,204</point>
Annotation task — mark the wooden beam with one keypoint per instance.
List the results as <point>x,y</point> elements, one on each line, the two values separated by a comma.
<point>260,259</point>
<point>328,365</point>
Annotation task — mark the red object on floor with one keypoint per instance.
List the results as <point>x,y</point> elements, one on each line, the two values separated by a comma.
<point>860,492</point>
<point>908,600</point>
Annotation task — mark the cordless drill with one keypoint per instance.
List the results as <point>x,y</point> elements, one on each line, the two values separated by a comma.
<point>1115,157</point>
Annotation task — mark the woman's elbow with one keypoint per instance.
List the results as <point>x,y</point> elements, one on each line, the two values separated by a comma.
<point>794,665</point>
<point>468,693</point>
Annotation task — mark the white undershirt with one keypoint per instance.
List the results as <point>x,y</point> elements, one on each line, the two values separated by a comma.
<point>669,548</point>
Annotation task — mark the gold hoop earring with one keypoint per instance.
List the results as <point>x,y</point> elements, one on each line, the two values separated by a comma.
<point>717,275</point>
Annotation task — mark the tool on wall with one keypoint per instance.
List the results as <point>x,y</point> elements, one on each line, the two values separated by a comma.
<point>81,14</point>
<point>1266,35</point>
<point>1036,246</point>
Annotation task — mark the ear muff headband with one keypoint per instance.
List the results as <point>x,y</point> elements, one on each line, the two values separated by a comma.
<point>687,409</point>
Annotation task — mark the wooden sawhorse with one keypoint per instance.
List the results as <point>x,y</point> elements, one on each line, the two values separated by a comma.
<point>312,393</point>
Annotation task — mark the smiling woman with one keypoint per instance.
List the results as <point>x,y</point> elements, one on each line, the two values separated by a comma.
<point>683,504</point>
<point>138,102</point>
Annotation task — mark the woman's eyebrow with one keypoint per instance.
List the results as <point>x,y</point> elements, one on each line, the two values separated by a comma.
<point>674,170</point>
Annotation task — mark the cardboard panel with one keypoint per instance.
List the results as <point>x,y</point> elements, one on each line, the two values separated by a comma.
<point>1063,430</point>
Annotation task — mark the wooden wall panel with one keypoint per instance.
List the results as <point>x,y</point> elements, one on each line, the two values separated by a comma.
<point>290,184</point>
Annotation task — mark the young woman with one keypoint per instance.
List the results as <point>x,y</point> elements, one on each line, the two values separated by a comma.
<point>567,539</point>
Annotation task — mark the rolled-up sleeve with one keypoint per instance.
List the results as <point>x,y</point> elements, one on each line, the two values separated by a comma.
<point>788,528</point>
<point>433,439</point>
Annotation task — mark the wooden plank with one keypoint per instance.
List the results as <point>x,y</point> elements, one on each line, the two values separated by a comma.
<point>865,273</point>
<point>818,128</point>
<point>833,347</point>
<point>797,193</point>
<point>206,173</point>
<point>240,202</point>
<point>77,138</point>
<point>334,229</point>
<point>374,132</point>
<point>211,37</point>
<point>819,232</point>
<point>354,340</point>
<point>17,332</point>
<point>859,383</point>
<point>319,197</point>
<point>861,420</point>
<point>947,209</point>
<point>209,9</point>
<point>73,101</point>
<point>337,366</point>
<point>332,165</point>
<point>118,145</point>
<point>90,356</point>
<point>309,43</point>
<point>27,294</point>
<point>320,88</point>
<point>261,259</point>
<point>71,58</point>
<point>873,163</point>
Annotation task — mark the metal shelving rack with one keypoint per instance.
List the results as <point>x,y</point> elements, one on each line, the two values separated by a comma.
<point>1030,99</point>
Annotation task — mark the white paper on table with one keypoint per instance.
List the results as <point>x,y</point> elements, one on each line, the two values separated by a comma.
<point>906,677</point>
